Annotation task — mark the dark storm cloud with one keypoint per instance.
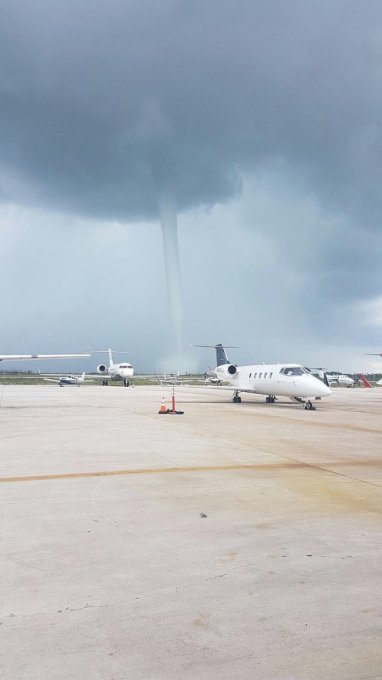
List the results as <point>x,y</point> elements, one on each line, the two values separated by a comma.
<point>103,104</point>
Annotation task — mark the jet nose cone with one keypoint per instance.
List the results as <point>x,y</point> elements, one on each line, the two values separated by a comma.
<point>319,389</point>
<point>325,390</point>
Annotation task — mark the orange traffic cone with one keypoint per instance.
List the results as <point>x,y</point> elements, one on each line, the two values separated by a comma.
<point>163,408</point>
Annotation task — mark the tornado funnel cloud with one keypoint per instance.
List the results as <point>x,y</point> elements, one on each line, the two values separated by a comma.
<point>168,218</point>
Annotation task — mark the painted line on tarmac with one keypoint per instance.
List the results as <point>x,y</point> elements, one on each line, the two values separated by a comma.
<point>152,471</point>
<point>282,465</point>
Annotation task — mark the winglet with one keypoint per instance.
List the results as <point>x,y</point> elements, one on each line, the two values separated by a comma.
<point>365,382</point>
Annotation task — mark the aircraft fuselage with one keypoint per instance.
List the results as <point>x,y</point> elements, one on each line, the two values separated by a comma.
<point>286,380</point>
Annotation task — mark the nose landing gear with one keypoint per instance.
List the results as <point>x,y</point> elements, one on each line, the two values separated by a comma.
<point>236,399</point>
<point>308,406</point>
<point>271,399</point>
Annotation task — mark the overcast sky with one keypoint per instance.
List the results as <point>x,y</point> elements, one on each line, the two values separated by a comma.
<point>262,119</point>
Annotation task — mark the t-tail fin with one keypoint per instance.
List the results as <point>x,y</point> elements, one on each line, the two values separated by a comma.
<point>110,358</point>
<point>365,382</point>
<point>221,355</point>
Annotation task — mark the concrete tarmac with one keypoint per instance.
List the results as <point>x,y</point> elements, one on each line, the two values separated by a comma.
<point>237,541</point>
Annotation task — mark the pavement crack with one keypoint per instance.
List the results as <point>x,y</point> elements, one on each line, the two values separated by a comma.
<point>213,578</point>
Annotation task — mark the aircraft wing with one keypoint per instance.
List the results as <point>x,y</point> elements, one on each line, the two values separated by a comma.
<point>27,357</point>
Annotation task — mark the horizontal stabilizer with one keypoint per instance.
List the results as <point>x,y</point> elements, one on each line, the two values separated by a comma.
<point>27,357</point>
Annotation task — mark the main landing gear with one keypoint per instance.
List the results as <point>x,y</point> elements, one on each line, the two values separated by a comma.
<point>271,399</point>
<point>105,383</point>
<point>236,399</point>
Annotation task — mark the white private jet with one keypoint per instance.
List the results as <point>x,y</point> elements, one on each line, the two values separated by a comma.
<point>271,380</point>
<point>67,380</point>
<point>123,371</point>
<point>340,379</point>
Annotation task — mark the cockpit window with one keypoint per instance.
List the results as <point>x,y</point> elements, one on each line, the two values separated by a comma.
<point>292,370</point>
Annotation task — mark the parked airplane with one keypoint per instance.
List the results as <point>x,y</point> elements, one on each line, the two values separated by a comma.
<point>123,371</point>
<point>272,380</point>
<point>68,380</point>
<point>340,379</point>
<point>371,354</point>
<point>168,378</point>
<point>176,378</point>
<point>365,381</point>
<point>367,384</point>
<point>210,378</point>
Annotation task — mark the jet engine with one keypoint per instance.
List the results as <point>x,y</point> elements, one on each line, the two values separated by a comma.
<point>101,368</point>
<point>227,369</point>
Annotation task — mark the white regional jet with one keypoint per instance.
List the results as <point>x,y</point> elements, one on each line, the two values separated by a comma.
<point>123,371</point>
<point>272,380</point>
<point>340,379</point>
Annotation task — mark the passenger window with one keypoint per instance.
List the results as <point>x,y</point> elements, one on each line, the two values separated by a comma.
<point>260,374</point>
<point>265,375</point>
<point>254,375</point>
<point>250,375</point>
<point>270,375</point>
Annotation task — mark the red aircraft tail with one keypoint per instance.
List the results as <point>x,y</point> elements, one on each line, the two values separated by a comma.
<point>365,382</point>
